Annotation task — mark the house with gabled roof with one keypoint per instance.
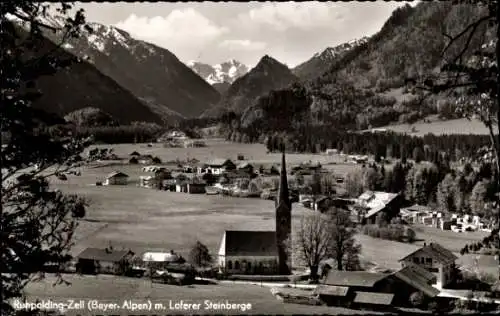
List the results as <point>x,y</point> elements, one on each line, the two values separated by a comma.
<point>108,260</point>
<point>374,203</point>
<point>248,252</point>
<point>116,178</point>
<point>220,165</point>
<point>435,259</point>
<point>376,289</point>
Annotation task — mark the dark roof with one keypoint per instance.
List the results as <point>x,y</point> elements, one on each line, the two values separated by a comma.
<point>420,271</point>
<point>418,208</point>
<point>417,279</point>
<point>253,243</point>
<point>116,174</point>
<point>332,290</point>
<point>219,162</point>
<point>103,254</point>
<point>245,165</point>
<point>353,278</point>
<point>436,251</point>
<point>373,298</point>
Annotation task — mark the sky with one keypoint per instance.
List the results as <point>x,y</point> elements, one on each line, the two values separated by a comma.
<point>211,32</point>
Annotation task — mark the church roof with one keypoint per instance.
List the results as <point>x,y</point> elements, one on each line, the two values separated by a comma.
<point>249,243</point>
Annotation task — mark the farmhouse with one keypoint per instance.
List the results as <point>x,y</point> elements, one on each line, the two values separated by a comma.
<point>95,261</point>
<point>436,259</point>
<point>218,166</point>
<point>245,167</point>
<point>248,252</point>
<point>116,178</point>
<point>379,202</point>
<point>363,288</point>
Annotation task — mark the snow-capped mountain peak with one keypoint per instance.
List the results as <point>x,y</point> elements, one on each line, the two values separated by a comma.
<point>225,72</point>
<point>333,52</point>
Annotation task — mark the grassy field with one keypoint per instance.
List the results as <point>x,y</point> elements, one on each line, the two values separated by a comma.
<point>110,289</point>
<point>457,126</point>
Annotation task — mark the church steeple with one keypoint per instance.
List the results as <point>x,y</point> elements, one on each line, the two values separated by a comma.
<point>283,193</point>
<point>283,221</point>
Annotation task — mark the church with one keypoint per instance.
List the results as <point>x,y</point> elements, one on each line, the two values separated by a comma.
<point>261,252</point>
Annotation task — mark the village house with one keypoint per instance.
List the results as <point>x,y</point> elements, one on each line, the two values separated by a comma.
<point>169,185</point>
<point>374,203</point>
<point>219,166</point>
<point>155,180</point>
<point>435,259</point>
<point>248,252</point>
<point>191,143</point>
<point>116,178</point>
<point>108,260</point>
<point>245,167</point>
<point>159,260</point>
<point>196,188</point>
<point>331,151</point>
<point>414,214</point>
<point>145,160</point>
<point>376,290</point>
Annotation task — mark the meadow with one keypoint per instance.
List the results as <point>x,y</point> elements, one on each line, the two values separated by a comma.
<point>436,127</point>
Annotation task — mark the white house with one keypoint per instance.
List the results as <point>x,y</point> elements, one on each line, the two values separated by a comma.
<point>331,151</point>
<point>435,259</point>
<point>116,178</point>
<point>159,259</point>
<point>248,252</point>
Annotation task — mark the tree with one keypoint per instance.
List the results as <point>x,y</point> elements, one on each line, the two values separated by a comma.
<point>477,200</point>
<point>324,236</point>
<point>418,154</point>
<point>314,242</point>
<point>345,249</point>
<point>199,255</point>
<point>316,185</point>
<point>371,179</point>
<point>37,222</point>
<point>470,73</point>
<point>354,184</point>
<point>445,194</point>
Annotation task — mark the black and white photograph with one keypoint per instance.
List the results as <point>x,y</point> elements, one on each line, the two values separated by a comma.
<point>265,158</point>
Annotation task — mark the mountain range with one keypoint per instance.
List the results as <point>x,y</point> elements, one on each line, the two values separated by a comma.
<point>153,74</point>
<point>322,61</point>
<point>269,74</point>
<point>118,72</point>
<point>80,85</point>
<point>220,76</point>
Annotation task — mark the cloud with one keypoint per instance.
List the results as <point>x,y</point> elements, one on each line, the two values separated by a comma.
<point>247,45</point>
<point>303,16</point>
<point>181,29</point>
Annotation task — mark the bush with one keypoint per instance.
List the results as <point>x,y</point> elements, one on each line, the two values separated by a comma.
<point>395,232</point>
